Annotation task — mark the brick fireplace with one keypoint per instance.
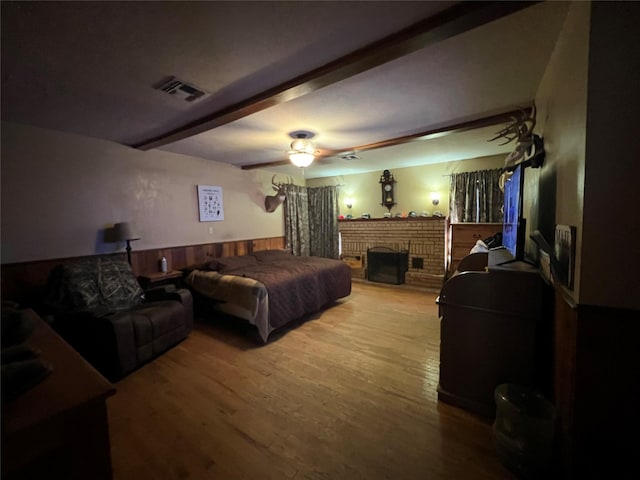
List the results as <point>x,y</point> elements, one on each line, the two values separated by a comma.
<point>423,238</point>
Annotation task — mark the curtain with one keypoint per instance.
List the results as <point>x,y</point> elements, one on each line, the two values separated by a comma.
<point>296,219</point>
<point>311,220</point>
<point>490,197</point>
<point>323,221</point>
<point>476,197</point>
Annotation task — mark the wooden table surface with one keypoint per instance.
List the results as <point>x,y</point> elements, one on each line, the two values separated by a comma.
<point>70,399</point>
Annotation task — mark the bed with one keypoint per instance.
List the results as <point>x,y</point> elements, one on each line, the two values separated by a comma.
<point>270,288</point>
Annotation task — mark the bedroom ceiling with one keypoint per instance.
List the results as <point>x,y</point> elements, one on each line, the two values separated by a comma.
<point>91,67</point>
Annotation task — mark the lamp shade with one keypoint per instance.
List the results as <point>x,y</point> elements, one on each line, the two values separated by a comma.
<point>125,231</point>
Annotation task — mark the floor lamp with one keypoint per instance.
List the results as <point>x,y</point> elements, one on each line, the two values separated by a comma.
<point>125,231</point>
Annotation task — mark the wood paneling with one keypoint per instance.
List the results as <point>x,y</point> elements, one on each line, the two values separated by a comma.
<point>348,394</point>
<point>596,388</point>
<point>24,282</point>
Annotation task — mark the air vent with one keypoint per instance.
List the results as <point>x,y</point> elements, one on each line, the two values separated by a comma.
<point>182,90</point>
<point>349,156</point>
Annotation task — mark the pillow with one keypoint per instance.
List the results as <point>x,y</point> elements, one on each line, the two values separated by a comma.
<point>231,263</point>
<point>208,266</point>
<point>211,266</point>
<point>95,284</point>
<point>272,255</point>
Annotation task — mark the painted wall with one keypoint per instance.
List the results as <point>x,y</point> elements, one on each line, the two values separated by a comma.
<point>413,187</point>
<point>557,188</point>
<point>60,191</point>
<point>587,103</point>
<point>611,245</point>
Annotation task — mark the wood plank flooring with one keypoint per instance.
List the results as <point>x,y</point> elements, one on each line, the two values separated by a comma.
<point>350,394</point>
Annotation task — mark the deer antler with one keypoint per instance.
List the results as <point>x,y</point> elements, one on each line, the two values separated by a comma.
<point>519,129</point>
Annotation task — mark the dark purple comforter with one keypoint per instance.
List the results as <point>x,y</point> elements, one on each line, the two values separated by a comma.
<point>298,286</point>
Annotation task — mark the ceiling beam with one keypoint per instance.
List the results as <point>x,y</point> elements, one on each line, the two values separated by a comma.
<point>453,21</point>
<point>459,127</point>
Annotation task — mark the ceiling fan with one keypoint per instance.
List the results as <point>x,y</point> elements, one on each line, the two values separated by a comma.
<point>302,143</point>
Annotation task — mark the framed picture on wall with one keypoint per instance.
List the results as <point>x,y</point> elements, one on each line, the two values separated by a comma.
<point>565,253</point>
<point>210,203</point>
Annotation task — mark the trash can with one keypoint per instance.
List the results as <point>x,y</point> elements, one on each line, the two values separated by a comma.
<point>523,430</point>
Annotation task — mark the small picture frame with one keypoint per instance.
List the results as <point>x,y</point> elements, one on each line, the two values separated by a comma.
<point>210,203</point>
<point>565,253</point>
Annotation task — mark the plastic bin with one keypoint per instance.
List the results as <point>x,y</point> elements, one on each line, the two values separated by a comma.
<point>523,430</point>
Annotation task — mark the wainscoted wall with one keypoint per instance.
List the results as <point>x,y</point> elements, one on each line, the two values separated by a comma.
<point>596,388</point>
<point>424,238</point>
<point>25,282</point>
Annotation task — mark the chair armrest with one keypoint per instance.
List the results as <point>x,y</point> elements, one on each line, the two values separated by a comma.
<point>169,292</point>
<point>156,294</point>
<point>105,340</point>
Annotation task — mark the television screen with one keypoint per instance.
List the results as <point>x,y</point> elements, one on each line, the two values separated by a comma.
<point>512,224</point>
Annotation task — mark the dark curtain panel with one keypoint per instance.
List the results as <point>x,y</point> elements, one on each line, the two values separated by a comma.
<point>476,197</point>
<point>490,197</point>
<point>323,221</point>
<point>296,219</point>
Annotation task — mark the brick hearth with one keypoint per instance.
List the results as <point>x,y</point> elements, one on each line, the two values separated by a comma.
<point>424,238</point>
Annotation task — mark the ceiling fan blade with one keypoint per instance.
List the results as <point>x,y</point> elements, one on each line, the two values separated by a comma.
<point>446,130</point>
<point>320,154</point>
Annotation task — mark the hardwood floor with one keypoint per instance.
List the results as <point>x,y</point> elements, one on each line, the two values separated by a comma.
<point>348,394</point>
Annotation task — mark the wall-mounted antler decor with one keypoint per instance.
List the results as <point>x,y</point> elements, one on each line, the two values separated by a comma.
<point>529,146</point>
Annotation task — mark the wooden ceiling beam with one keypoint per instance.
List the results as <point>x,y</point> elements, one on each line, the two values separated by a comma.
<point>453,21</point>
<point>459,127</point>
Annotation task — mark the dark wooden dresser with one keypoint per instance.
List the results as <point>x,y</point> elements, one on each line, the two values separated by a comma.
<point>492,332</point>
<point>59,428</point>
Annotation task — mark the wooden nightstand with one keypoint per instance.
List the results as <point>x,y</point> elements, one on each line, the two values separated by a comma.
<point>155,279</point>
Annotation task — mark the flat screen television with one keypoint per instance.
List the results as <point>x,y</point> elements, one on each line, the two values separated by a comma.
<point>513,225</point>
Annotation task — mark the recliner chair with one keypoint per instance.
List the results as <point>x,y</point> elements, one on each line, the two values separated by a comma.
<point>99,308</point>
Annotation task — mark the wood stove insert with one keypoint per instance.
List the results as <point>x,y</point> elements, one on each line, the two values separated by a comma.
<point>386,265</point>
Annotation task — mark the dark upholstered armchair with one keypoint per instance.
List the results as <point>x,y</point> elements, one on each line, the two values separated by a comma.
<point>100,309</point>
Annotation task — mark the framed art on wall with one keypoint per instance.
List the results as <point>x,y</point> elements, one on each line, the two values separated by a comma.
<point>565,252</point>
<point>210,203</point>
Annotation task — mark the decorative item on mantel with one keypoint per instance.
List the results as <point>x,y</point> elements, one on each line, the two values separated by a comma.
<point>387,185</point>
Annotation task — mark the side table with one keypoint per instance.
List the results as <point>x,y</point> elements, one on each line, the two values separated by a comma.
<point>154,279</point>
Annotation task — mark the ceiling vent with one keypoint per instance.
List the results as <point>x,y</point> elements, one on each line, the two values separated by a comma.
<point>349,156</point>
<point>182,90</point>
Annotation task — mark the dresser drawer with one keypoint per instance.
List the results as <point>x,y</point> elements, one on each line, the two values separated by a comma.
<point>464,237</point>
<point>458,252</point>
<point>469,234</point>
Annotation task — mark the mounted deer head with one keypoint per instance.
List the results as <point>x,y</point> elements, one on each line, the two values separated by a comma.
<point>271,202</point>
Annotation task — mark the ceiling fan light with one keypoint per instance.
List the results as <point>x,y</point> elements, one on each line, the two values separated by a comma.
<point>301,159</point>
<point>302,152</point>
